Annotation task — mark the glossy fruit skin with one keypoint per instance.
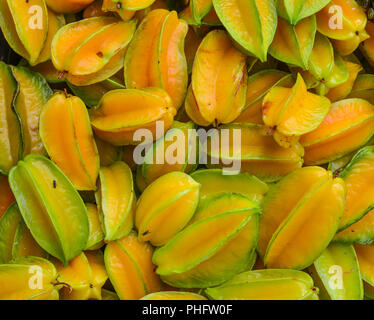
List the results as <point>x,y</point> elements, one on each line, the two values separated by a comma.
<point>77,155</point>
<point>290,284</point>
<point>55,210</point>
<point>282,220</point>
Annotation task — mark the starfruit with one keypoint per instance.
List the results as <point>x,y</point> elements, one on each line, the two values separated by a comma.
<point>367,46</point>
<point>296,10</point>
<point>217,92</point>
<point>217,244</point>
<point>128,262</point>
<point>131,5</point>
<point>116,200</point>
<point>259,85</point>
<point>173,295</point>
<point>76,155</point>
<point>121,112</point>
<point>95,10</point>
<point>91,50</point>
<point>342,20</point>
<point>300,216</point>
<point>68,6</point>
<point>174,152</point>
<point>15,238</point>
<point>50,206</point>
<point>156,57</point>
<point>108,295</point>
<point>347,127</point>
<point>33,92</point>
<point>24,244</point>
<point>25,26</point>
<point>110,6</point>
<point>258,154</point>
<point>213,181</point>
<point>96,236</point>
<point>342,91</point>
<point>294,44</point>
<point>359,191</point>
<point>6,195</point>
<point>365,256</point>
<point>85,275</point>
<point>338,271</point>
<point>9,223</point>
<point>363,88</point>
<point>290,113</point>
<point>323,80</point>
<point>29,278</point>
<point>92,94</point>
<point>10,134</point>
<point>198,9</point>
<point>270,284</point>
<point>251,23</point>
<point>165,207</point>
<point>321,61</point>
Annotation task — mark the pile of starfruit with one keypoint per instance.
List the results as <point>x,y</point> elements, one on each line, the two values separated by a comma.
<point>106,92</point>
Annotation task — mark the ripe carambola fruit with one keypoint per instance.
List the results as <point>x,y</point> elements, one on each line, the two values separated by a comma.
<point>363,88</point>
<point>25,26</point>
<point>293,112</point>
<point>199,9</point>
<point>165,207</point>
<point>29,278</point>
<point>68,6</point>
<point>367,46</point>
<point>361,231</point>
<point>116,200</point>
<point>296,10</point>
<point>131,5</point>
<point>50,206</point>
<point>8,227</point>
<point>353,20</point>
<point>92,94</point>
<point>85,276</point>
<point>55,22</point>
<point>217,92</point>
<point>217,244</point>
<point>270,284</point>
<point>300,216</point>
<point>128,262</point>
<point>173,295</point>
<point>259,154</point>
<point>339,273</point>
<point>121,112</point>
<point>6,195</point>
<point>259,85</point>
<point>174,152</point>
<point>96,235</point>
<point>91,50</point>
<point>213,181</point>
<point>343,90</point>
<point>156,57</point>
<point>251,23</point>
<point>76,154</point>
<point>294,44</point>
<point>10,131</point>
<point>15,238</point>
<point>360,192</point>
<point>32,93</point>
<point>347,127</point>
<point>365,254</point>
